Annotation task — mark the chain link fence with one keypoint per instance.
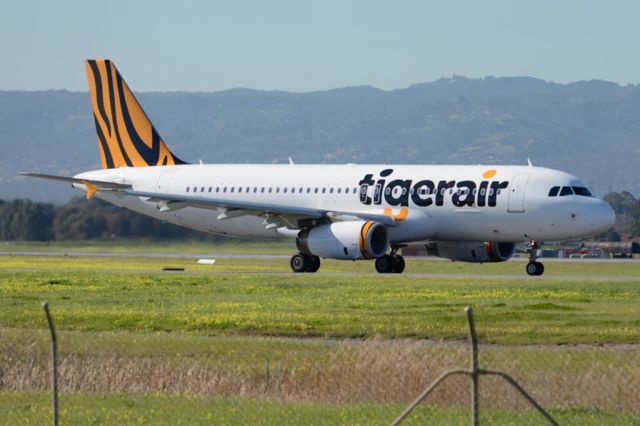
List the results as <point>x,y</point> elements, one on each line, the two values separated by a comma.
<point>170,378</point>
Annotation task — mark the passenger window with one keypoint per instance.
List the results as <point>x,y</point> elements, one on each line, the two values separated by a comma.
<point>270,190</point>
<point>233,188</point>
<point>566,190</point>
<point>316,190</point>
<point>255,189</point>
<point>308,190</point>
<point>330,190</point>
<point>247,189</point>
<point>262,189</point>
<point>240,189</point>
<point>217,189</point>
<point>277,190</point>
<point>324,190</point>
<point>224,189</point>
<point>202,189</point>
<point>554,191</point>
<point>187,189</point>
<point>339,190</point>
<point>582,191</point>
<point>284,190</point>
<point>210,189</point>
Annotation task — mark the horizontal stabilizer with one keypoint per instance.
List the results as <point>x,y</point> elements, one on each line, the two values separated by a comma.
<point>93,186</point>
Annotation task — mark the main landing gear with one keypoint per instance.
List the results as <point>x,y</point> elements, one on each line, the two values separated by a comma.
<point>534,267</point>
<point>390,263</point>
<point>303,262</point>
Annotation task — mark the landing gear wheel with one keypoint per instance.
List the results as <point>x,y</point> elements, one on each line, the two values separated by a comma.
<point>398,264</point>
<point>314,265</point>
<point>299,262</point>
<point>535,268</point>
<point>384,264</point>
<point>303,262</point>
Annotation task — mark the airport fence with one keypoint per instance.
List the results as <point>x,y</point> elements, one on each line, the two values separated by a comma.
<point>163,378</point>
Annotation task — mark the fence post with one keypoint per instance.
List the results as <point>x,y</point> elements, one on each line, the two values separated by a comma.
<point>54,361</point>
<point>473,339</point>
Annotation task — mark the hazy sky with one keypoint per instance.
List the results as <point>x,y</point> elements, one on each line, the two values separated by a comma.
<point>302,46</point>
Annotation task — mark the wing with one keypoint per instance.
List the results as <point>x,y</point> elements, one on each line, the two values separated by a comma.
<point>275,215</point>
<point>235,208</point>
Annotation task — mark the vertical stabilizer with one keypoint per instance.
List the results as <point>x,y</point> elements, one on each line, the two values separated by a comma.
<point>126,137</point>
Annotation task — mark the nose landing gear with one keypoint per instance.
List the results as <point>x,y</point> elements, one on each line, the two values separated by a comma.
<point>534,268</point>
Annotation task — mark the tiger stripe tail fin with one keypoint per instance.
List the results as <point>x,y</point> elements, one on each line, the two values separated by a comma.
<point>126,136</point>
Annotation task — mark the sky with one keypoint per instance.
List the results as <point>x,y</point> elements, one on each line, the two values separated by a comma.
<point>305,46</point>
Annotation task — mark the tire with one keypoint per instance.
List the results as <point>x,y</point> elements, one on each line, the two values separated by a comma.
<point>314,265</point>
<point>398,264</point>
<point>299,262</point>
<point>535,268</point>
<point>384,264</point>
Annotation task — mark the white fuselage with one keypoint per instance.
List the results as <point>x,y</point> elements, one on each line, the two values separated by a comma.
<point>447,203</point>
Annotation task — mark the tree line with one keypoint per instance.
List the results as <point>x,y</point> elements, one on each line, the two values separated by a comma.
<point>26,220</point>
<point>627,208</point>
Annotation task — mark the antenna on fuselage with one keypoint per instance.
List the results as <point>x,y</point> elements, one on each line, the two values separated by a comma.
<point>529,163</point>
<point>291,163</point>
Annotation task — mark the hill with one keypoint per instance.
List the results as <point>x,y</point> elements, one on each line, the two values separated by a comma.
<point>588,128</point>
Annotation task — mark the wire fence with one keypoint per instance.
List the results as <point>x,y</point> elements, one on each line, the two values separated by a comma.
<point>167,378</point>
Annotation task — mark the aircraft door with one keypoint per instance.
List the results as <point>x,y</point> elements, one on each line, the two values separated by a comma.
<point>517,191</point>
<point>164,182</point>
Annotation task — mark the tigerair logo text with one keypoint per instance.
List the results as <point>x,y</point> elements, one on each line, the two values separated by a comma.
<point>427,192</point>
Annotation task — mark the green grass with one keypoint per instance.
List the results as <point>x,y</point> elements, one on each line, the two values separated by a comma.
<point>86,294</point>
<point>244,318</point>
<point>131,262</point>
<point>31,408</point>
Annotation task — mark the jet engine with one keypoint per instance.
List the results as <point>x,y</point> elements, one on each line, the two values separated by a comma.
<point>345,240</point>
<point>472,251</point>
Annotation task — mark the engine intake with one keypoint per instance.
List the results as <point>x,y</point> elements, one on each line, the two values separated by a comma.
<point>345,240</point>
<point>472,251</point>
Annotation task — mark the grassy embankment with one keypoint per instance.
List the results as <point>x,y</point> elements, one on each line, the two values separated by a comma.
<point>163,331</point>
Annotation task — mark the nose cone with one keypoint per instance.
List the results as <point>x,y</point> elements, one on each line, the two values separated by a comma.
<point>602,216</point>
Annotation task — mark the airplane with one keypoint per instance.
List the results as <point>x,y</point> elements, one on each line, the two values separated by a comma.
<point>470,213</point>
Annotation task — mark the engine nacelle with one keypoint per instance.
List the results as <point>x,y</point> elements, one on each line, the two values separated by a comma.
<point>472,251</point>
<point>345,240</point>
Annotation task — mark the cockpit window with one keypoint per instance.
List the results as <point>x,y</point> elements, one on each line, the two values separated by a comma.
<point>554,191</point>
<point>566,190</point>
<point>581,190</point>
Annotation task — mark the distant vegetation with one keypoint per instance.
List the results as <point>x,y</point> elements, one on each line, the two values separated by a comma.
<point>26,220</point>
<point>589,128</point>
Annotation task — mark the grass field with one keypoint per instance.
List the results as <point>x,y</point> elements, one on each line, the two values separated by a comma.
<point>159,409</point>
<point>343,346</point>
